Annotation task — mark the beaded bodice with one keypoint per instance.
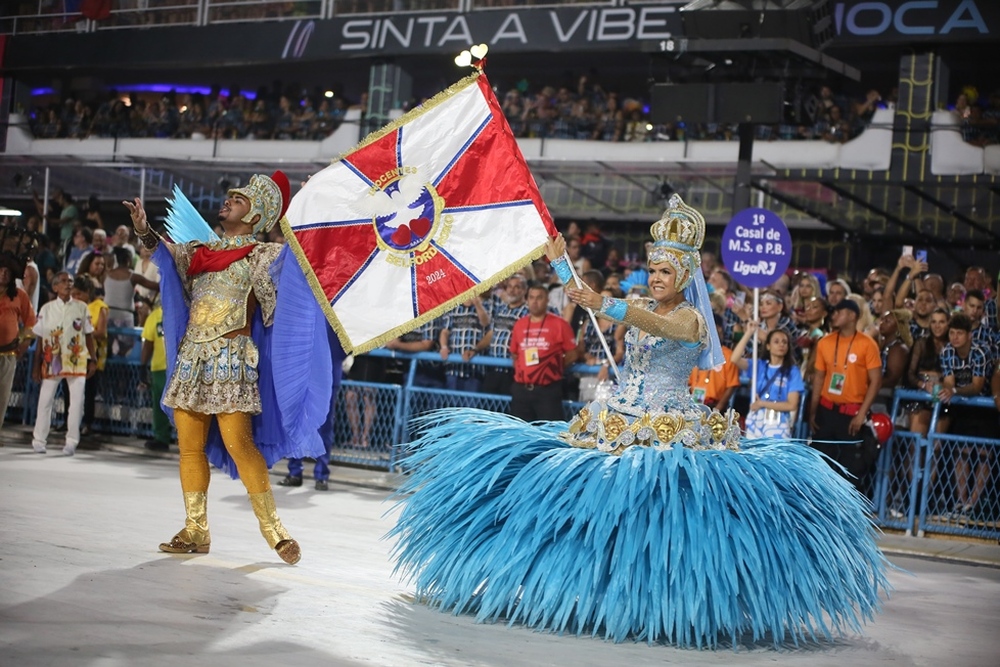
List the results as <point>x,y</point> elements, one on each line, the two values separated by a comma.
<point>219,302</point>
<point>652,405</point>
<point>655,373</point>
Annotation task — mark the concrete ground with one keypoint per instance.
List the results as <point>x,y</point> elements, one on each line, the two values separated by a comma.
<point>82,583</point>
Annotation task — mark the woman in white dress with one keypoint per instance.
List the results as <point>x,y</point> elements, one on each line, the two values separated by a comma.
<point>118,294</point>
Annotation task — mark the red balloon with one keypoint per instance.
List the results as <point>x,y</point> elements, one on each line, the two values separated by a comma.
<point>883,426</point>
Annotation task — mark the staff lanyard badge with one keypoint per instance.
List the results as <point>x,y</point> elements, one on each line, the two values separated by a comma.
<point>531,357</point>
<point>836,387</point>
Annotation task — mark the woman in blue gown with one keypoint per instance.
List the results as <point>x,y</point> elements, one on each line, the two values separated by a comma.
<point>646,517</point>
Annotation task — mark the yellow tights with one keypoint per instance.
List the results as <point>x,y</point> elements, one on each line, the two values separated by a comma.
<point>237,435</point>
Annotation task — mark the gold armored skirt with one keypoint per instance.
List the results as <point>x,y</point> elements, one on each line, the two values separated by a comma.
<point>215,377</point>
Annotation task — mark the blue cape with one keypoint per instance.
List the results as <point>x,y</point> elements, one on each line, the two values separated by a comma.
<point>299,367</point>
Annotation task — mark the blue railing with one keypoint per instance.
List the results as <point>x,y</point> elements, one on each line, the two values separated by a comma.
<point>407,400</point>
<point>914,488</point>
<point>919,477</point>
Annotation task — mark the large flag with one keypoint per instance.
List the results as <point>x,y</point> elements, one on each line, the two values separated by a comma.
<point>425,213</point>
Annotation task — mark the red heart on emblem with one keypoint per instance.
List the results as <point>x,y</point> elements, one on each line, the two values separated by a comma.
<point>420,226</point>
<point>402,236</point>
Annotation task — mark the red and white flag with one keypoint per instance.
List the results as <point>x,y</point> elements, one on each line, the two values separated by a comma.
<point>424,214</point>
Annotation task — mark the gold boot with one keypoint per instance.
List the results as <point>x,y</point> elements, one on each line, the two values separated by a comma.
<point>194,538</point>
<point>272,530</point>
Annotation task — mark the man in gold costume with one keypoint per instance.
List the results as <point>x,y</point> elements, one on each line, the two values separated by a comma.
<point>226,284</point>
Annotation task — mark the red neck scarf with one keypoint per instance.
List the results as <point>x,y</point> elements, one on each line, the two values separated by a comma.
<point>206,260</point>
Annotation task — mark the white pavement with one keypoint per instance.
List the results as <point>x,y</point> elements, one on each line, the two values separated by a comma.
<point>81,583</point>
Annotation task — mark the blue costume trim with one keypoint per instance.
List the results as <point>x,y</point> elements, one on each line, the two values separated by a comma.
<point>299,364</point>
<point>561,265</point>
<point>614,308</point>
<point>503,520</point>
<point>675,245</point>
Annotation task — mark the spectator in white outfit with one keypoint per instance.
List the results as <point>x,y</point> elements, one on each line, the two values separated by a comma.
<point>65,352</point>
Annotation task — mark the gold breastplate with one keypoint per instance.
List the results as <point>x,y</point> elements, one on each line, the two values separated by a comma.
<point>219,302</point>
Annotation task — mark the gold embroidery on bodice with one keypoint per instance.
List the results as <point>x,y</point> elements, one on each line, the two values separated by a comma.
<point>219,302</point>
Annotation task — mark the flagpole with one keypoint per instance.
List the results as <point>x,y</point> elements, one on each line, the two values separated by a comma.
<point>753,372</point>
<point>593,319</point>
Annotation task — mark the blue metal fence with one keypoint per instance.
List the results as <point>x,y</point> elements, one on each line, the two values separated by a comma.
<point>922,480</point>
<point>397,405</point>
<point>917,484</point>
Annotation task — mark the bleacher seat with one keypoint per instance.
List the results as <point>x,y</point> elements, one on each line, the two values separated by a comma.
<point>951,155</point>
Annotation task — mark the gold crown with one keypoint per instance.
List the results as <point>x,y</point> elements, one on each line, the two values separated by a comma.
<point>681,227</point>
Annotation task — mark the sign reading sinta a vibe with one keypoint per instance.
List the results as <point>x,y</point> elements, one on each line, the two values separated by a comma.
<point>756,247</point>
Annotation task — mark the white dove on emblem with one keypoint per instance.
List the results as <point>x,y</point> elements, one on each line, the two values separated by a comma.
<point>403,212</point>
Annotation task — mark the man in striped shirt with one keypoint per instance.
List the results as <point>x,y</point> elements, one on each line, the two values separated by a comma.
<point>506,312</point>
<point>966,370</point>
<point>462,332</point>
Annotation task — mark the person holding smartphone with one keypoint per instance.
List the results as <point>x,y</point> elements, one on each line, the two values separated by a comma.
<point>914,268</point>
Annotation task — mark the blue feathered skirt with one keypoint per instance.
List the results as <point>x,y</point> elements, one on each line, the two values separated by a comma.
<point>504,520</point>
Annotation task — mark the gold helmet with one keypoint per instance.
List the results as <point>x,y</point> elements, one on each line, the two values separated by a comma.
<point>268,197</point>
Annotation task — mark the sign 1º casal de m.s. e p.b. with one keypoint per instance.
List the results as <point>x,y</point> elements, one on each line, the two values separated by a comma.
<point>756,247</point>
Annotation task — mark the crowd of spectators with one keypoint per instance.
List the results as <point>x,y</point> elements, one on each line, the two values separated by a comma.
<point>589,111</point>
<point>979,118</point>
<point>74,239</point>
<point>897,308</point>
<point>937,336</point>
<point>269,115</point>
<point>934,336</point>
<point>74,257</point>
<point>799,303</point>
<point>584,111</point>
